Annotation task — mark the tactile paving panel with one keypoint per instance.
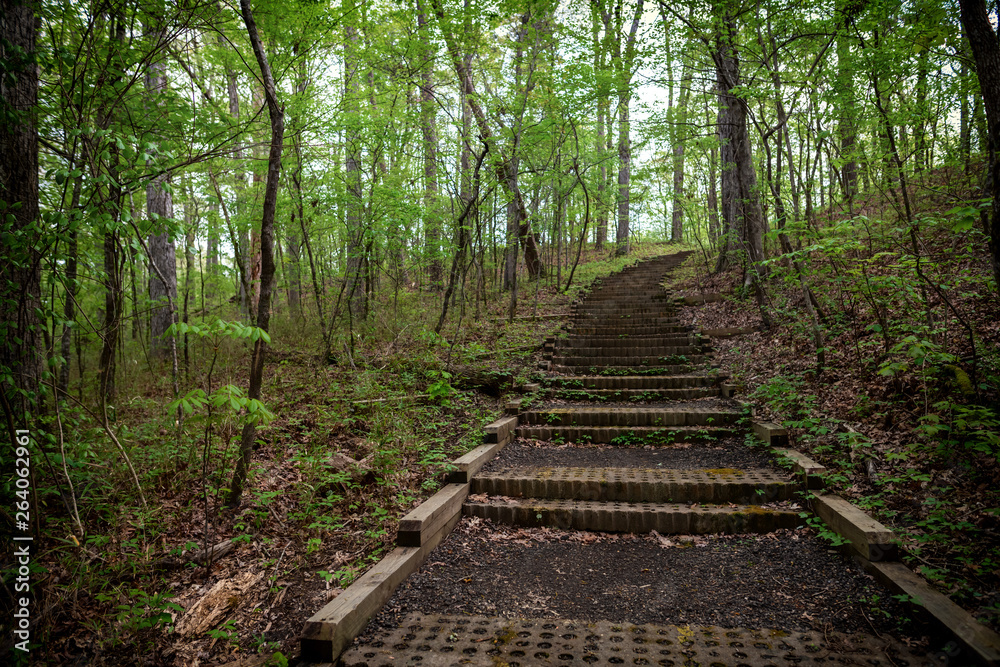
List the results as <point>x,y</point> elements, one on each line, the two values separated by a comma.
<point>474,640</point>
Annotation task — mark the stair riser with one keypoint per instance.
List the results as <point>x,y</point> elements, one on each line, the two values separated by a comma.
<point>612,520</point>
<point>629,418</point>
<point>623,436</point>
<point>635,492</point>
<point>620,307</point>
<point>626,330</point>
<point>581,361</point>
<point>574,341</point>
<point>592,368</point>
<point>632,394</point>
<point>640,352</point>
<point>652,382</point>
<point>605,299</point>
<point>612,319</point>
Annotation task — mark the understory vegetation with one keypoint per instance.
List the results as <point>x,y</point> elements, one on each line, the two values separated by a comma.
<point>346,446</point>
<point>266,267</point>
<point>893,382</point>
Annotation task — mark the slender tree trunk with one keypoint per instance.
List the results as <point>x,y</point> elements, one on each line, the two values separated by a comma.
<point>239,238</point>
<point>505,170</point>
<point>428,128</point>
<point>294,234</point>
<point>624,63</point>
<point>603,106</point>
<point>986,51</point>
<point>357,291</point>
<point>160,210</point>
<point>965,125</point>
<point>714,231</point>
<point>69,306</point>
<point>111,198</point>
<point>680,120</point>
<point>848,103</point>
<point>190,231</point>
<point>277,117</point>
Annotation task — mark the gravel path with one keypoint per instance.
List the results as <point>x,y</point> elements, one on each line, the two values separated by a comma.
<point>724,453</point>
<point>788,581</point>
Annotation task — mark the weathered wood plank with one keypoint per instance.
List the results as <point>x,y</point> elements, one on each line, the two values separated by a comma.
<point>417,527</point>
<point>772,434</point>
<point>500,430</point>
<point>978,639</point>
<point>867,536</point>
<point>805,466</point>
<point>468,465</point>
<point>330,630</point>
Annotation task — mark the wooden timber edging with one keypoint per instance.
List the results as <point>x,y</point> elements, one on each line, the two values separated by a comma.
<point>874,547</point>
<point>978,641</point>
<point>331,630</point>
<point>810,471</point>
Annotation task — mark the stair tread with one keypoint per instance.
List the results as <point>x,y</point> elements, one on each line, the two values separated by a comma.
<point>692,476</point>
<point>693,508</point>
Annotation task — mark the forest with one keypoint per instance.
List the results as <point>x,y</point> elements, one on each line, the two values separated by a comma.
<point>269,266</point>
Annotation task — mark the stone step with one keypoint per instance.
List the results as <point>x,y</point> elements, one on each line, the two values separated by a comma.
<point>625,436</point>
<point>620,306</point>
<point>594,367</point>
<point>634,382</point>
<point>615,319</point>
<point>595,340</point>
<point>614,517</point>
<point>633,351</point>
<point>630,416</point>
<point>619,329</point>
<point>632,394</point>
<point>640,485</point>
<point>662,361</point>
<point>638,295</point>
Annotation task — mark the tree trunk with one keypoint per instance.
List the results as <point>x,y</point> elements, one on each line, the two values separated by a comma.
<point>277,117</point>
<point>428,128</point>
<point>160,209</point>
<point>740,193</point>
<point>848,103</point>
<point>356,287</point>
<point>624,63</point>
<point>69,306</point>
<point>680,120</point>
<point>506,173</point>
<point>986,51</point>
<point>603,106</point>
<point>713,197</point>
<point>20,288</point>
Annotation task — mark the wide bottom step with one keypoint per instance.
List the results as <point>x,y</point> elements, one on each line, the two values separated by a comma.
<point>437,639</point>
<point>665,518</point>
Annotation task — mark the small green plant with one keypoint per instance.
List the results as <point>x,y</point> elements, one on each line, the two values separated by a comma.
<point>440,388</point>
<point>226,632</point>
<point>823,531</point>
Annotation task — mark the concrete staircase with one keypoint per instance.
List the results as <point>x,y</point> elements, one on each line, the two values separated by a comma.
<point>628,374</point>
<point>628,433</point>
